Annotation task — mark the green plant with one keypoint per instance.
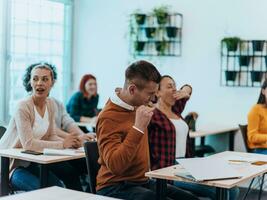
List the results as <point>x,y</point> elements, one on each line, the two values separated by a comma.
<point>162,14</point>
<point>231,43</point>
<point>161,47</point>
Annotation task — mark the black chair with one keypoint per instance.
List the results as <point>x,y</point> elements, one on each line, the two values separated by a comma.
<point>243,129</point>
<point>202,149</point>
<point>92,155</point>
<point>2,131</point>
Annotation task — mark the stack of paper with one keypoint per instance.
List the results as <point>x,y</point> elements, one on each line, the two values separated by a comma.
<point>208,168</point>
<point>62,152</point>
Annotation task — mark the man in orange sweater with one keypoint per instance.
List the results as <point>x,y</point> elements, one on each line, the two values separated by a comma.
<point>122,138</point>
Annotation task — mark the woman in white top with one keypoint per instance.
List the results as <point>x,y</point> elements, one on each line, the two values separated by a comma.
<point>168,134</point>
<point>33,128</point>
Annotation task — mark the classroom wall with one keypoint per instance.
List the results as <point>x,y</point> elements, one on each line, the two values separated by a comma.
<point>101,48</point>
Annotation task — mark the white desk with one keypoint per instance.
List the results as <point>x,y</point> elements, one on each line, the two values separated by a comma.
<point>55,193</point>
<point>43,160</point>
<point>202,132</point>
<point>247,171</point>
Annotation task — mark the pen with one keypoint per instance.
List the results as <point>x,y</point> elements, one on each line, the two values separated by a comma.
<point>244,161</point>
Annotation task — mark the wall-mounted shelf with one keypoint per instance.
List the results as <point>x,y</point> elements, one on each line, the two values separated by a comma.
<point>244,64</point>
<point>150,36</point>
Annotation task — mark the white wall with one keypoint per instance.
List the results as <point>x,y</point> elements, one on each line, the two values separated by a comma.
<point>101,48</point>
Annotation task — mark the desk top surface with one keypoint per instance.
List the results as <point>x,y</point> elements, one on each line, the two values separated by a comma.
<point>247,170</point>
<point>55,193</point>
<point>42,159</point>
<point>212,131</point>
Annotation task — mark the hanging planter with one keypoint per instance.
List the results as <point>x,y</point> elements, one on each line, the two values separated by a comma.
<point>161,14</point>
<point>139,46</point>
<point>150,32</point>
<point>244,60</point>
<point>140,18</point>
<point>171,31</point>
<point>257,45</point>
<point>161,46</point>
<point>230,75</point>
<point>231,43</point>
<point>256,76</point>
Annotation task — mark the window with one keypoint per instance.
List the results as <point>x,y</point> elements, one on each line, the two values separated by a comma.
<point>38,30</point>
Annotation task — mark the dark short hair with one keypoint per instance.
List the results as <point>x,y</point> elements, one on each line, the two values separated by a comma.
<point>27,75</point>
<point>83,81</point>
<point>141,72</point>
<point>165,76</point>
<point>262,99</point>
<point>187,86</point>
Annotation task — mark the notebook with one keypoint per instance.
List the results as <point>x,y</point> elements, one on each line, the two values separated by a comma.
<point>63,152</point>
<point>207,168</point>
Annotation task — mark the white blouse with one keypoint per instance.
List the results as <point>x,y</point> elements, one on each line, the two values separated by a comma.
<point>181,129</point>
<point>40,124</point>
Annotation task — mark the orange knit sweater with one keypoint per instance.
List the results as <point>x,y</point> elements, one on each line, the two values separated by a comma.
<point>123,151</point>
<point>257,127</point>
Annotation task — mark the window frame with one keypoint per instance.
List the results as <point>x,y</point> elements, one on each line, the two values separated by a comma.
<point>5,61</point>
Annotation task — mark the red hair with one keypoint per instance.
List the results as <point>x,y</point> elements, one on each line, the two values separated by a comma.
<point>83,81</point>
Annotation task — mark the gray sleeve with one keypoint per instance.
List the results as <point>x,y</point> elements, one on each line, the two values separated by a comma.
<point>63,119</point>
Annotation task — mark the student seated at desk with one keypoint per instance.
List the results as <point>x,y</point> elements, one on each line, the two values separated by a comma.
<point>257,123</point>
<point>123,140</point>
<point>82,106</point>
<point>33,128</point>
<point>169,133</point>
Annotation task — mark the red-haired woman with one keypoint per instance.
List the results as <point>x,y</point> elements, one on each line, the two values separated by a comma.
<point>82,106</point>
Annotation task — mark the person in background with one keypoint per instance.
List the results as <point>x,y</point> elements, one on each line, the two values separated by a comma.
<point>82,106</point>
<point>32,127</point>
<point>123,141</point>
<point>169,134</point>
<point>257,123</point>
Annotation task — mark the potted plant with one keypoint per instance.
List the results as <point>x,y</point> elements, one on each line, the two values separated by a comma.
<point>244,60</point>
<point>140,18</point>
<point>150,32</point>
<point>161,47</point>
<point>139,46</point>
<point>230,75</point>
<point>231,43</point>
<point>257,45</point>
<point>256,76</point>
<point>162,14</point>
<point>171,31</point>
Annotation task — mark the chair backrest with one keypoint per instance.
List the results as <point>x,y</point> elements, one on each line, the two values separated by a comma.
<point>2,131</point>
<point>92,155</point>
<point>190,119</point>
<point>243,129</point>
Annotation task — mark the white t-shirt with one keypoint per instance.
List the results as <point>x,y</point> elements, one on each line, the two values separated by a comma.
<point>40,124</point>
<point>181,129</point>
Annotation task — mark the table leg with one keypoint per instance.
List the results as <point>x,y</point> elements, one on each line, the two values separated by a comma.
<point>161,189</point>
<point>4,176</point>
<point>231,140</point>
<point>221,193</point>
<point>43,175</point>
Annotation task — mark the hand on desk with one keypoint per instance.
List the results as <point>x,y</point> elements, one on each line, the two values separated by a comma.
<point>87,137</point>
<point>71,141</point>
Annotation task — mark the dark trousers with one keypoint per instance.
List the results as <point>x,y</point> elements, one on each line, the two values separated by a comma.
<point>27,179</point>
<point>68,174</point>
<point>146,191</point>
